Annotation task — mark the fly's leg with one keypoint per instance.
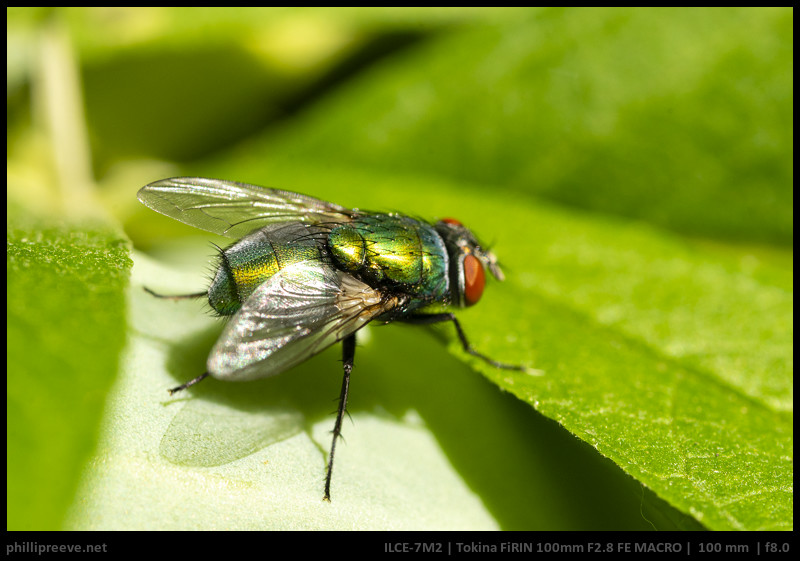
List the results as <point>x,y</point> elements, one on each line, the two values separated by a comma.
<point>427,319</point>
<point>348,355</point>
<point>189,384</point>
<point>177,297</point>
<point>202,376</point>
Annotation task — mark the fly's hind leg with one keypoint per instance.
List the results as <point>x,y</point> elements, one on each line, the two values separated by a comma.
<point>196,295</point>
<point>177,296</point>
<point>188,384</point>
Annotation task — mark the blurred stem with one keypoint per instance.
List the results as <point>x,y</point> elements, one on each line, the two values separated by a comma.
<point>59,105</point>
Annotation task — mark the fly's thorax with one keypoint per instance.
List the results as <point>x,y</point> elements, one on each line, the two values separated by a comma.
<point>468,261</point>
<point>348,247</point>
<point>255,258</point>
<point>392,251</point>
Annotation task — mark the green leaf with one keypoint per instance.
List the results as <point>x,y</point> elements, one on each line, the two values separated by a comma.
<point>65,331</point>
<point>674,365</point>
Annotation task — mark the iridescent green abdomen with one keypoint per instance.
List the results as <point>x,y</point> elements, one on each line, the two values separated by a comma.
<point>393,251</point>
<point>255,258</point>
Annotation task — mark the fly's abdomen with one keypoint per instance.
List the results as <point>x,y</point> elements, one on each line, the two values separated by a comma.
<point>258,256</point>
<point>393,251</point>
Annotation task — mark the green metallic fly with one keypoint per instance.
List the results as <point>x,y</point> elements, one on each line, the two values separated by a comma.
<point>306,274</point>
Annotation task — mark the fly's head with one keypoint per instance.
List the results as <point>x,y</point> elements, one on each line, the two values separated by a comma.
<point>468,262</point>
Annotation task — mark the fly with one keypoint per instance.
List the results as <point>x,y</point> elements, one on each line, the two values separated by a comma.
<point>305,274</point>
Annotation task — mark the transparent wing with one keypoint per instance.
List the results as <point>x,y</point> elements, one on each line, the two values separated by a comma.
<point>234,209</point>
<point>298,312</point>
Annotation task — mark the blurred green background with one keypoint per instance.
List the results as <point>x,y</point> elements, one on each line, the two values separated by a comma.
<point>632,166</point>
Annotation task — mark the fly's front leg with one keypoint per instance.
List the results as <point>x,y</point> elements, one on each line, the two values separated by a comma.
<point>427,319</point>
<point>348,355</point>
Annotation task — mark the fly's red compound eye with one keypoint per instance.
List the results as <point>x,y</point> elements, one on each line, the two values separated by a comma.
<point>452,221</point>
<point>474,279</point>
